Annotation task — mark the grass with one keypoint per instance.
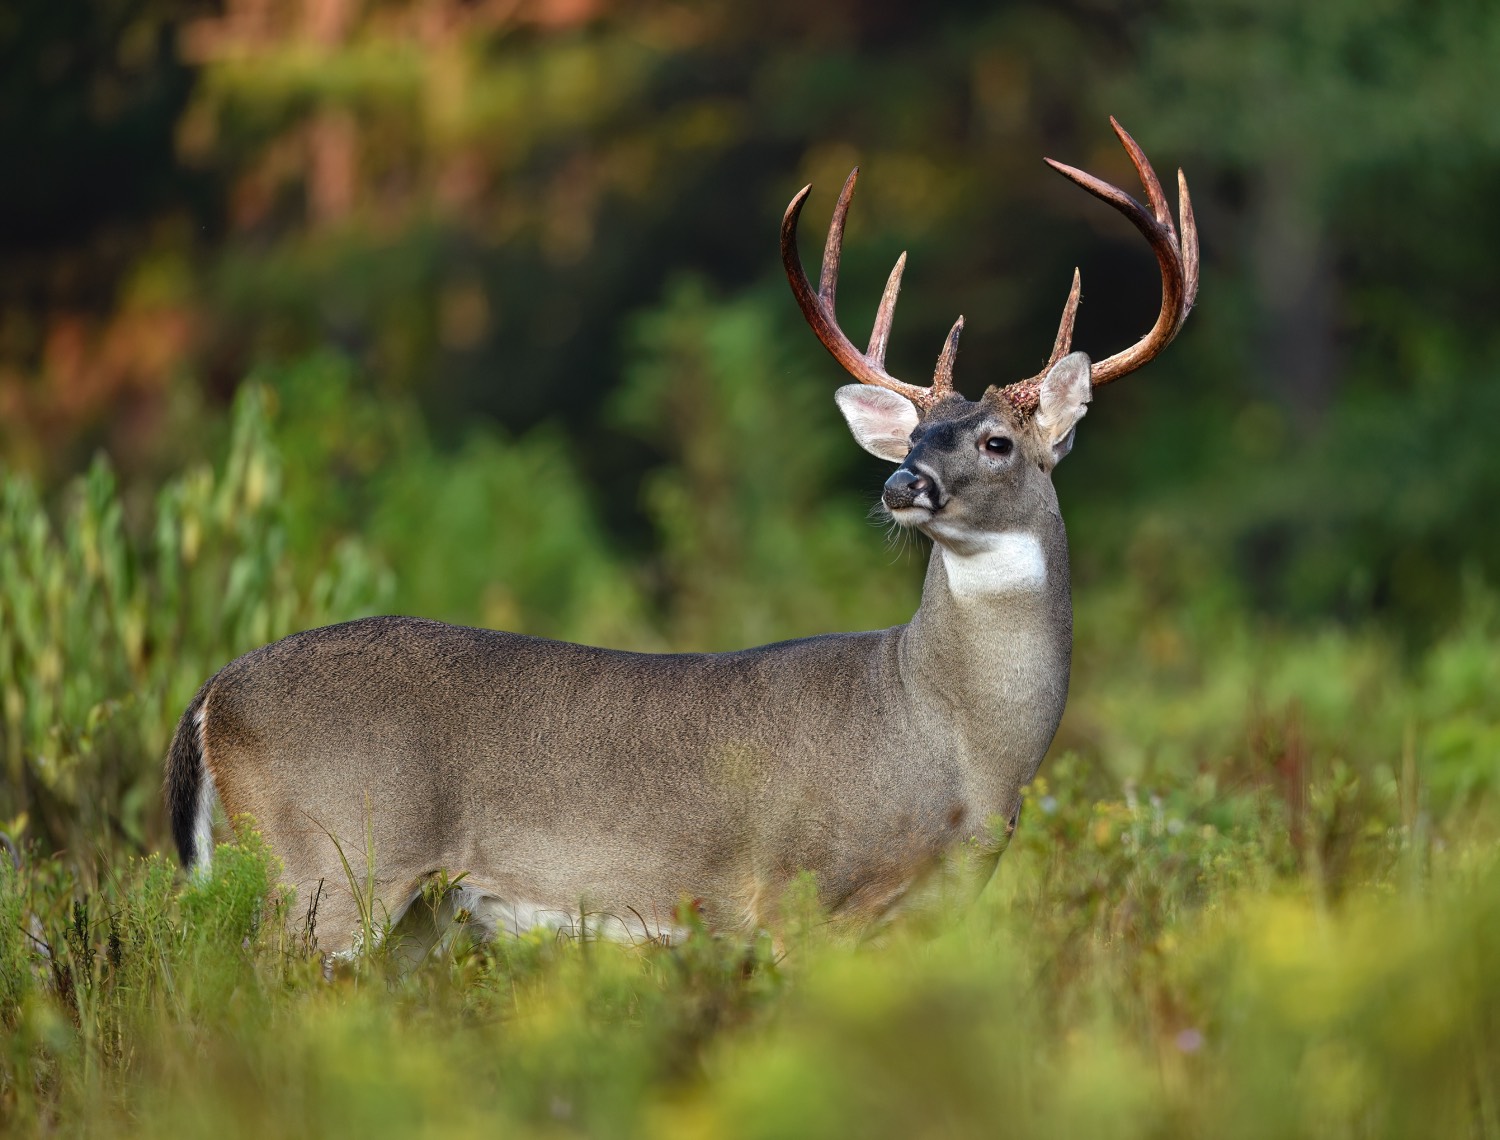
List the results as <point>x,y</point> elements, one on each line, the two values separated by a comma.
<point>1255,892</point>
<point>1132,971</point>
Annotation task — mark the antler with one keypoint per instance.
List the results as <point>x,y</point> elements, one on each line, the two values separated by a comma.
<point>1179,272</point>
<point>867,367</point>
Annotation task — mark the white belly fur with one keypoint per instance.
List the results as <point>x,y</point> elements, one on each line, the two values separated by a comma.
<point>498,918</point>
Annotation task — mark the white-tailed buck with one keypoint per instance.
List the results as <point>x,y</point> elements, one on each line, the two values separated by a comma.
<point>597,789</point>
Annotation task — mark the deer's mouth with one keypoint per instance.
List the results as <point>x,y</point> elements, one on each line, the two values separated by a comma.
<point>912,515</point>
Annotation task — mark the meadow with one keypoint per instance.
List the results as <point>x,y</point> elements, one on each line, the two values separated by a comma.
<point>1254,892</point>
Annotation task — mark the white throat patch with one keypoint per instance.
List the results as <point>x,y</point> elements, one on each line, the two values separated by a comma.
<point>1012,563</point>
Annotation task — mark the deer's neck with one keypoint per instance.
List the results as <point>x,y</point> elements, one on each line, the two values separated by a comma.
<point>986,657</point>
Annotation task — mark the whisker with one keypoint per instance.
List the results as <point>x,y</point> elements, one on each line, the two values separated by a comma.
<point>899,540</point>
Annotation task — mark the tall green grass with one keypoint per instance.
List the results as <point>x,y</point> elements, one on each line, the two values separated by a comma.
<point>108,625</point>
<point>1126,974</point>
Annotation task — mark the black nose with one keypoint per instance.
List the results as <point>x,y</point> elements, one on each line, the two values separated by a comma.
<point>902,488</point>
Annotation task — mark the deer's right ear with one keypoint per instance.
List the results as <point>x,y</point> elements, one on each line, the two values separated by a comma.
<point>881,420</point>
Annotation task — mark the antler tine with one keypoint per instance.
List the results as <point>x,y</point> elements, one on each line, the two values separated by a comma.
<point>818,306</point>
<point>1064,341</point>
<point>1154,195</point>
<point>880,334</point>
<point>1024,395</point>
<point>1176,257</point>
<point>1189,241</point>
<point>833,247</point>
<point>942,378</point>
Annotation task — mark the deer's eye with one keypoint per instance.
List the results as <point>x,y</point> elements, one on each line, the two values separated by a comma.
<point>998,445</point>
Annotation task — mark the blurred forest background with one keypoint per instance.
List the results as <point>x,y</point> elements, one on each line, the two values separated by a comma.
<point>493,285</point>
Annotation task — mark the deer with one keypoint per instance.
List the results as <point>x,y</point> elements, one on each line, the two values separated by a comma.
<point>545,784</point>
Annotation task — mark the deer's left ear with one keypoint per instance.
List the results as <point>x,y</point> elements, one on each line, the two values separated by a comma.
<point>1066,391</point>
<point>880,419</point>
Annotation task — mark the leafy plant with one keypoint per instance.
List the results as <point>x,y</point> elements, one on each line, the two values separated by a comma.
<point>108,625</point>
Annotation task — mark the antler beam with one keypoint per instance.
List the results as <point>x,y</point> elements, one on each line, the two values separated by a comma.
<point>1177,257</point>
<point>817,306</point>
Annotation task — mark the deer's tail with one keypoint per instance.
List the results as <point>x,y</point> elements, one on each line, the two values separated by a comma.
<point>189,787</point>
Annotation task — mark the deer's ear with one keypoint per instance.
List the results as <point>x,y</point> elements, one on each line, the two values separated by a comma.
<point>1066,391</point>
<point>880,419</point>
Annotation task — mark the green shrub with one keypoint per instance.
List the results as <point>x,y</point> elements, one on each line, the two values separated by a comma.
<point>108,625</point>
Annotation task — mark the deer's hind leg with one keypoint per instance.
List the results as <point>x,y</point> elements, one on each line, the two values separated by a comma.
<point>339,920</point>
